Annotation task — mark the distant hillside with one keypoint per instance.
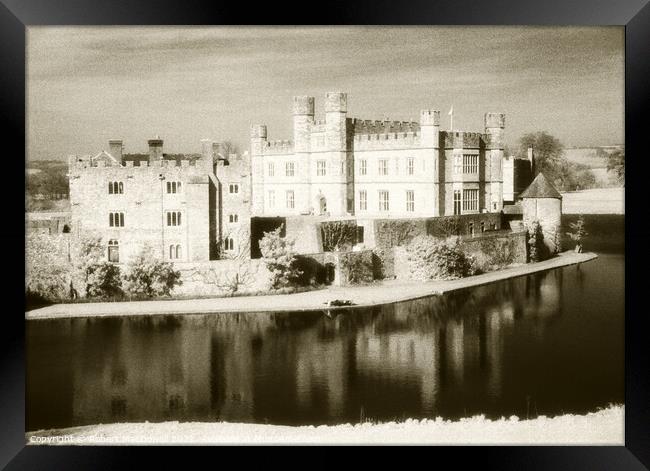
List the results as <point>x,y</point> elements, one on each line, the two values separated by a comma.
<point>596,159</point>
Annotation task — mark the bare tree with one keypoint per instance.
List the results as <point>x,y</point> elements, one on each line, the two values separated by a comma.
<point>240,273</point>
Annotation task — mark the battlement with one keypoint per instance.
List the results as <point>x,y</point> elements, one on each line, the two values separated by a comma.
<point>129,164</point>
<point>393,140</point>
<point>361,126</point>
<point>303,105</point>
<point>495,120</point>
<point>462,140</point>
<point>278,147</point>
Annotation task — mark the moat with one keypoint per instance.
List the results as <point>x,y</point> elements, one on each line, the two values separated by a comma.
<point>543,344</point>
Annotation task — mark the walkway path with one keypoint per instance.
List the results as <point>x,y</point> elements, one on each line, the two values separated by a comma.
<point>362,296</point>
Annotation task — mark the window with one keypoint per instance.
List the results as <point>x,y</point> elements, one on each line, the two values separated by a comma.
<point>271,170</point>
<point>363,200</point>
<point>233,218</point>
<point>470,229</point>
<point>290,199</point>
<point>320,168</point>
<point>410,166</point>
<point>115,188</point>
<point>173,218</point>
<point>457,205</point>
<point>116,219</point>
<point>482,226</point>
<point>383,200</point>
<point>113,251</point>
<point>359,234</point>
<point>234,188</point>
<point>383,167</point>
<point>458,164</point>
<point>271,198</point>
<point>470,200</point>
<point>410,200</point>
<point>470,163</point>
<point>229,244</point>
<point>363,167</point>
<point>290,169</point>
<point>173,187</point>
<point>175,252</point>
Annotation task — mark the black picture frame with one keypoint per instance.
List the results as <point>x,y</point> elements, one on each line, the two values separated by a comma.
<point>16,15</point>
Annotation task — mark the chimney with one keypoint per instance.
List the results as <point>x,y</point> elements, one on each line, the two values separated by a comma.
<point>116,147</point>
<point>531,159</point>
<point>155,149</point>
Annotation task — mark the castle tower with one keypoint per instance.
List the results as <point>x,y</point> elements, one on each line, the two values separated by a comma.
<point>495,124</point>
<point>258,142</point>
<point>430,140</point>
<point>116,148</point>
<point>303,118</point>
<point>336,107</point>
<point>155,149</point>
<point>429,128</point>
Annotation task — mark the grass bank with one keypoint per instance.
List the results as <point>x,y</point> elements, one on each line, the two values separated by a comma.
<point>603,427</point>
<point>361,296</point>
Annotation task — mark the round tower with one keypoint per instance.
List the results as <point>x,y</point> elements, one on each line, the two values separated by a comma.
<point>303,118</point>
<point>258,142</point>
<point>495,124</point>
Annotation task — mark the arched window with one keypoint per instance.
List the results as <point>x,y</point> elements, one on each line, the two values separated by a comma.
<point>113,251</point>
<point>121,187</point>
<point>110,188</point>
<point>171,251</point>
<point>178,251</point>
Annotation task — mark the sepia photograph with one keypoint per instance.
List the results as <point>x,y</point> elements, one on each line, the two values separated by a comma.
<point>325,235</point>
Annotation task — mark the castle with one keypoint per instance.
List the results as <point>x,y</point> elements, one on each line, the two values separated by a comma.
<point>186,208</point>
<point>344,166</point>
<point>193,208</point>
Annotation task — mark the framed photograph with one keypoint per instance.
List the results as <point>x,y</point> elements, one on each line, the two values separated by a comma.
<point>402,226</point>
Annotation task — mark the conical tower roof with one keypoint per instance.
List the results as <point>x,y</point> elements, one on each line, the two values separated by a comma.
<point>540,188</point>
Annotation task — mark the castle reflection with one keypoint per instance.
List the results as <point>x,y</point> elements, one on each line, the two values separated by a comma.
<point>427,357</point>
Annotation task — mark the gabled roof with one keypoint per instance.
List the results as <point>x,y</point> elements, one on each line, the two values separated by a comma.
<point>540,188</point>
<point>103,155</point>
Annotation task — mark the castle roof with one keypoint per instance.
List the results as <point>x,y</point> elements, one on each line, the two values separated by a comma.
<point>540,188</point>
<point>145,157</point>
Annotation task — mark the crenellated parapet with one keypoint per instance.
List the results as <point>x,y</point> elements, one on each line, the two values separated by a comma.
<point>361,126</point>
<point>392,140</point>
<point>278,147</point>
<point>463,140</point>
<point>128,169</point>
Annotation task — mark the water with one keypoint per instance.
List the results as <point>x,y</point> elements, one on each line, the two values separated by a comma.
<point>545,344</point>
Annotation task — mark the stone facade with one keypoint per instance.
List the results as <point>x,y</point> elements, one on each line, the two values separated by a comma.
<point>176,207</point>
<point>343,166</point>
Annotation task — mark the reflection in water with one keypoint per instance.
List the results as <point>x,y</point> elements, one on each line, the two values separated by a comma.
<point>551,340</point>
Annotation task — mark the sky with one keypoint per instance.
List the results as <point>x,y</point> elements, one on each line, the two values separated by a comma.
<point>86,85</point>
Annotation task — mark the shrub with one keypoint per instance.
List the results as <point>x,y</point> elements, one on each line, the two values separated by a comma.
<point>149,276</point>
<point>280,259</point>
<point>47,272</point>
<point>103,280</point>
<point>86,253</point>
<point>536,248</point>
<point>356,267</point>
<point>578,232</point>
<point>338,235</point>
<point>433,259</point>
